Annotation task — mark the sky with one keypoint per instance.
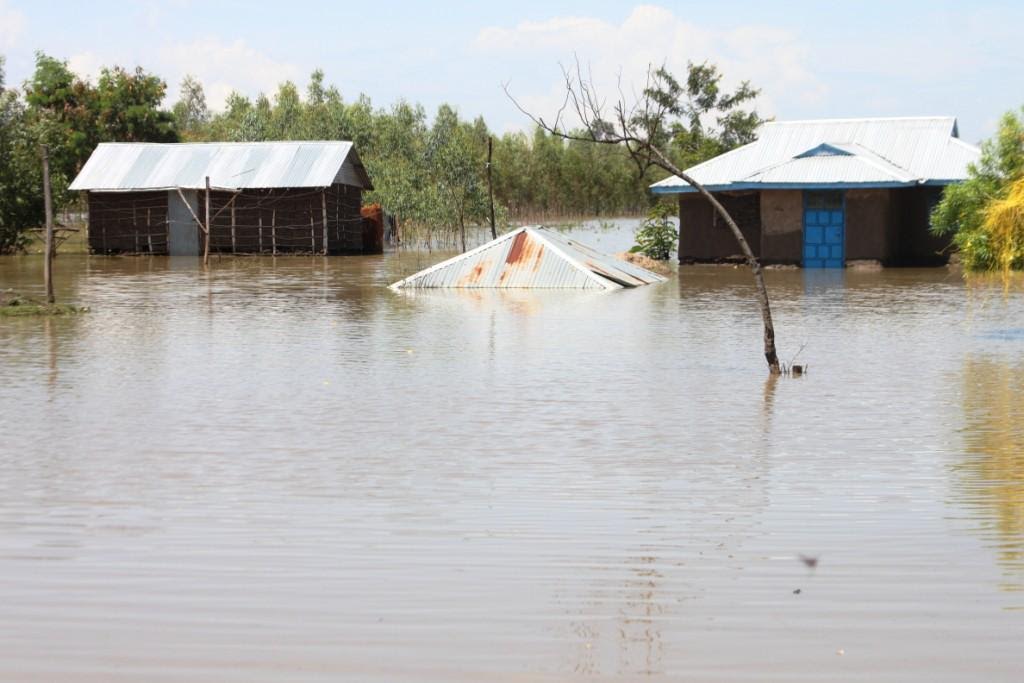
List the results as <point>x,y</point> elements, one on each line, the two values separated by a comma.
<point>810,59</point>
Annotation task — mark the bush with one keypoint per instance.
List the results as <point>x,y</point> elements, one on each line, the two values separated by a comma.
<point>980,213</point>
<point>656,237</point>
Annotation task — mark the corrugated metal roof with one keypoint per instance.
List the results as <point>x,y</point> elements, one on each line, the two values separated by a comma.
<point>127,166</point>
<point>880,152</point>
<point>532,256</point>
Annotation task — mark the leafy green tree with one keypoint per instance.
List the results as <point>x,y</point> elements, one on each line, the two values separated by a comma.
<point>396,158</point>
<point>21,201</point>
<point>128,107</point>
<point>962,211</point>
<point>68,105</point>
<point>706,121</point>
<point>190,111</point>
<point>456,171</point>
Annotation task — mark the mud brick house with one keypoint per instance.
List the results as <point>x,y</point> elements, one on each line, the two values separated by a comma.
<point>822,193</point>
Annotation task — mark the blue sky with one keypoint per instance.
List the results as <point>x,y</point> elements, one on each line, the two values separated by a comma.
<point>811,59</point>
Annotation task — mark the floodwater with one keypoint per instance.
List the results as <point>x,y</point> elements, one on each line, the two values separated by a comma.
<point>282,470</point>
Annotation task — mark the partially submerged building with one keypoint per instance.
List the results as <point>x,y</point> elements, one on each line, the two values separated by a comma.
<point>822,193</point>
<point>270,197</point>
<point>534,257</point>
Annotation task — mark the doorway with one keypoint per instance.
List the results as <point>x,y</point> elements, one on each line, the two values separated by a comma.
<point>182,231</point>
<point>824,229</point>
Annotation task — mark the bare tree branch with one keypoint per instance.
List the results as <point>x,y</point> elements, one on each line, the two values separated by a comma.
<point>638,125</point>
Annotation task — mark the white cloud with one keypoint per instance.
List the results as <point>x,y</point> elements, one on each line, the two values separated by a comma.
<point>223,67</point>
<point>772,58</point>
<point>12,25</point>
<point>87,65</point>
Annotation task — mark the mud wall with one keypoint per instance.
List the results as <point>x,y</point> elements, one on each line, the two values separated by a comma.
<point>705,238</point>
<point>782,226</point>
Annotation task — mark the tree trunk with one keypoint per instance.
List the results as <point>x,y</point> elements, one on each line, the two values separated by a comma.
<point>48,207</point>
<point>770,355</point>
<point>490,188</point>
<point>206,241</point>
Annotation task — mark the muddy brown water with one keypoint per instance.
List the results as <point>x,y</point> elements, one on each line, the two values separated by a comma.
<point>281,470</point>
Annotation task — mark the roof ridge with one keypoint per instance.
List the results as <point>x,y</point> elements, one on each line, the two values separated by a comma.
<point>860,119</point>
<point>226,142</point>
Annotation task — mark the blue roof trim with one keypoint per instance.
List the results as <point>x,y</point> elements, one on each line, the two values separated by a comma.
<point>686,189</point>
<point>824,150</point>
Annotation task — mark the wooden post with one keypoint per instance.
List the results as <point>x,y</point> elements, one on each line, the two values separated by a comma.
<point>312,233</point>
<point>323,206</point>
<point>490,188</point>
<point>206,243</point>
<point>233,244</point>
<point>48,207</point>
<point>135,225</point>
<point>273,231</point>
<point>259,234</point>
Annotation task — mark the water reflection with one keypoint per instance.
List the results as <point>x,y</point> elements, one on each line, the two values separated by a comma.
<point>992,471</point>
<point>281,465</point>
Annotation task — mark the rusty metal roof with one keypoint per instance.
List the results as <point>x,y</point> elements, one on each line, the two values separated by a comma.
<point>532,256</point>
<point>133,166</point>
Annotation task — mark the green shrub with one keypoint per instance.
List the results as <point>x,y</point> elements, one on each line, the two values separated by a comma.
<point>656,237</point>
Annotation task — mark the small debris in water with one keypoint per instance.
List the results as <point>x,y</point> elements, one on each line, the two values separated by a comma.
<point>796,592</point>
<point>811,562</point>
<point>840,652</point>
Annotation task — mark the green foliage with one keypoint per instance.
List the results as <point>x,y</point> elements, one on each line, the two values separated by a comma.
<point>1003,229</point>
<point>964,206</point>
<point>657,236</point>
<point>13,304</point>
<point>693,138</point>
<point>69,107</point>
<point>454,159</point>
<point>128,107</point>
<point>190,112</point>
<point>21,200</point>
<point>71,117</point>
<point>430,173</point>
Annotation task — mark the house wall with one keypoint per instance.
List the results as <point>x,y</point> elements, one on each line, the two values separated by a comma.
<point>704,237</point>
<point>287,220</point>
<point>887,225</point>
<point>782,226</point>
<point>279,220</point>
<point>134,222</point>
<point>869,225</point>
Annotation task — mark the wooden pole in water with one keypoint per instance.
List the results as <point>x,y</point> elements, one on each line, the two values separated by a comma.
<point>206,243</point>
<point>48,207</point>
<point>323,207</point>
<point>490,188</point>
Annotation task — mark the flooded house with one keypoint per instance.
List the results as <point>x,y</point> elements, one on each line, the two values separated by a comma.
<point>264,197</point>
<point>532,257</point>
<point>823,193</point>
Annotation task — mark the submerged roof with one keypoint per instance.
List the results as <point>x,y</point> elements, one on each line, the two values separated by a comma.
<point>532,256</point>
<point>127,166</point>
<point>838,153</point>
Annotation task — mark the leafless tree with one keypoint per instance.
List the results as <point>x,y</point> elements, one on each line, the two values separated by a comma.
<point>642,125</point>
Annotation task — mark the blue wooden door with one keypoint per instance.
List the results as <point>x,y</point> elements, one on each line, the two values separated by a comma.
<point>824,230</point>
